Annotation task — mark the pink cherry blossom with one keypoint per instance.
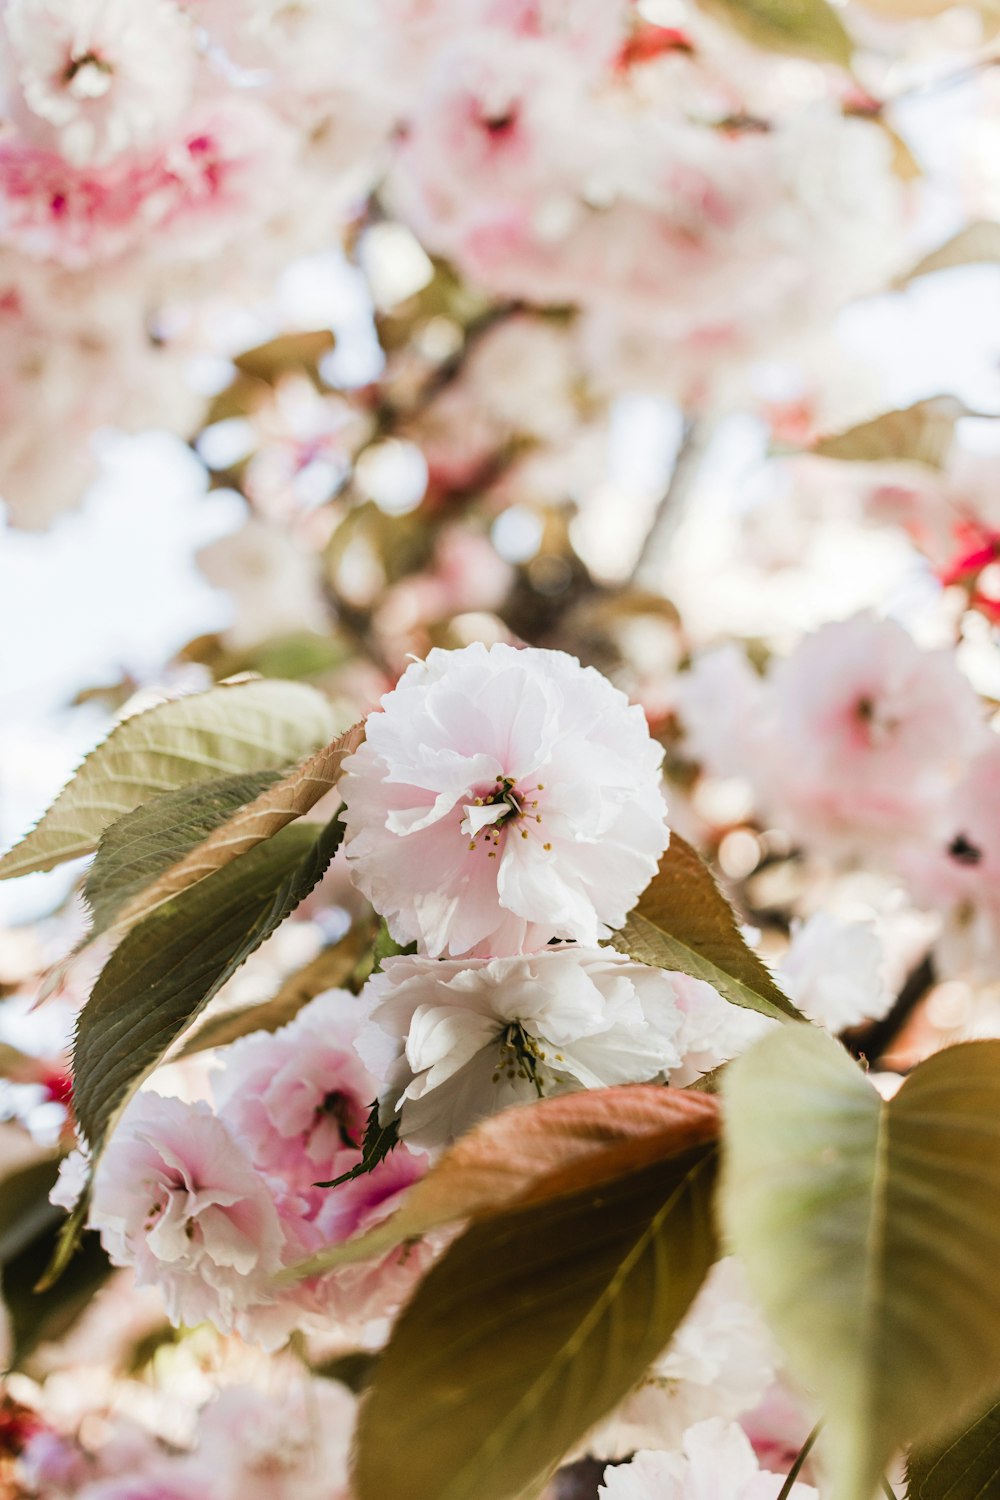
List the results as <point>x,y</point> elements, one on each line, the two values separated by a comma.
<point>564,175</point>
<point>960,875</point>
<point>850,743</point>
<point>502,798</point>
<point>202,184</point>
<point>176,1197</point>
<point>297,1099</point>
<point>99,77</point>
<point>355,1299</point>
<point>289,1443</point>
<point>868,733</point>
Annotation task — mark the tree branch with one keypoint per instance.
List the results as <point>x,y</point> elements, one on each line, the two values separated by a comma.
<point>655,551</point>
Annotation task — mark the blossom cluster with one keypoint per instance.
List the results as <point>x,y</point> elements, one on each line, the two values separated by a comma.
<point>512,331</point>
<point>542,152</point>
<point>289,1442</point>
<point>864,746</point>
<point>207,1204</point>
<point>504,812</point>
<point>493,795</point>
<point>502,816</point>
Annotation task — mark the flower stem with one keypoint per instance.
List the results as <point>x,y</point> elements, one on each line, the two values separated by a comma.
<point>800,1458</point>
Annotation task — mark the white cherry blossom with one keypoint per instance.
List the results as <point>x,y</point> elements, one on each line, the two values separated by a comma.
<point>717,1462</point>
<point>832,970</point>
<point>455,1040</point>
<point>721,1362</point>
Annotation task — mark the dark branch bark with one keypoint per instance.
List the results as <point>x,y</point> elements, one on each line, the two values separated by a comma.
<point>875,1040</point>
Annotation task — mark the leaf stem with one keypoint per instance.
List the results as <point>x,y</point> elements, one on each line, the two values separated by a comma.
<point>801,1456</point>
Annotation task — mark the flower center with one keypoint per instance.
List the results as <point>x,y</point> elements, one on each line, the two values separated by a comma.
<point>520,1055</point>
<point>87,76</point>
<point>964,851</point>
<point>505,796</point>
<point>490,814</point>
<point>160,1193</point>
<point>340,1107</point>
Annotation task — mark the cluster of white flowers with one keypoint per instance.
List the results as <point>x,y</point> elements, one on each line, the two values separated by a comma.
<point>833,972</point>
<point>457,1039</point>
<point>721,1363</point>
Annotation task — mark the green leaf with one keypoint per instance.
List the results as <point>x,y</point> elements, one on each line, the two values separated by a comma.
<point>529,1328</point>
<point>302,653</point>
<point>920,434</point>
<point>383,946</point>
<point>808,28</point>
<point>610,1130</point>
<point>683,923</point>
<point>66,1244</point>
<point>378,1142</point>
<point>39,1316</point>
<point>141,846</point>
<point>234,728</point>
<point>28,1230</point>
<point>163,974</point>
<point>965,1466</point>
<point>386,947</point>
<point>290,351</point>
<point>353,1370</point>
<point>871,1236</point>
<point>167,969</point>
<point>976,244</point>
<point>25,1210</point>
<point>248,822</point>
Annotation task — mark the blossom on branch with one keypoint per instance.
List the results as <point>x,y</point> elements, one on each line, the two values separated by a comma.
<point>832,970</point>
<point>456,1040</point>
<point>176,1197</point>
<point>717,1460</point>
<point>298,1099</point>
<point>503,798</point>
<point>99,77</point>
<point>851,743</point>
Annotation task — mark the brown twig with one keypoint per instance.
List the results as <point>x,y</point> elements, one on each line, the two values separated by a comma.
<point>877,1039</point>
